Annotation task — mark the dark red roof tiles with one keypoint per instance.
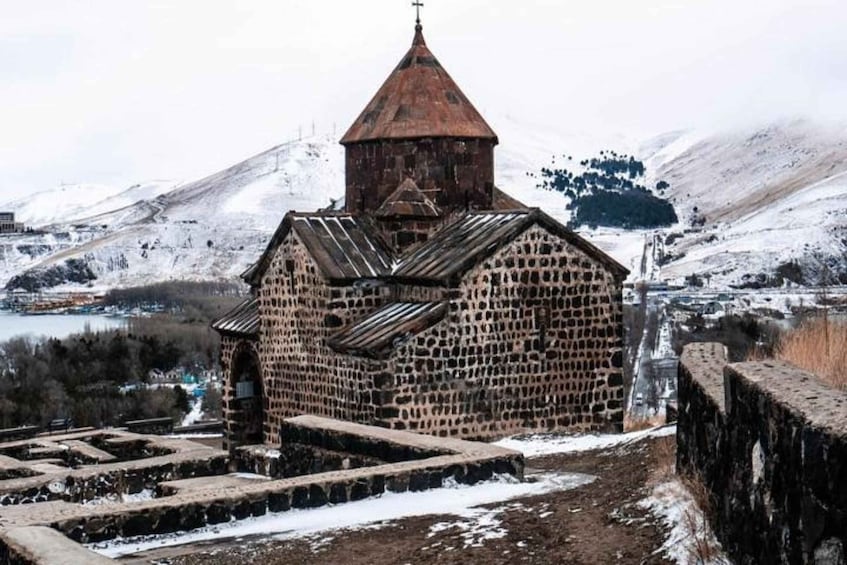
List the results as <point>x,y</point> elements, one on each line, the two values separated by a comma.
<point>418,100</point>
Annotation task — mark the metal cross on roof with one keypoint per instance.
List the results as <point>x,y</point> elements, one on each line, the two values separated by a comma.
<point>418,5</point>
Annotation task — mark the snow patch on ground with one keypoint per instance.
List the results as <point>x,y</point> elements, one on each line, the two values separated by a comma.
<point>479,525</point>
<point>549,444</point>
<point>195,414</point>
<point>146,494</point>
<point>454,498</point>
<point>688,530</point>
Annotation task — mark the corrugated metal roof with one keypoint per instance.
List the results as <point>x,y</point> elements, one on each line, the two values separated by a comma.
<point>419,99</point>
<point>342,247</point>
<point>243,320</point>
<point>458,247</point>
<point>408,201</point>
<point>341,244</point>
<point>346,250</point>
<point>380,332</point>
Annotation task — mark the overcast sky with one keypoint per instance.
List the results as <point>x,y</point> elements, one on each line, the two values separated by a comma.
<point>117,92</point>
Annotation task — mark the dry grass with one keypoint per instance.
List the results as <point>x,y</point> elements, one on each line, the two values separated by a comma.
<point>631,424</point>
<point>702,547</point>
<point>664,455</point>
<point>819,347</point>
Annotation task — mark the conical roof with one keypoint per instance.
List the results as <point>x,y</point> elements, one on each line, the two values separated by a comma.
<point>419,99</point>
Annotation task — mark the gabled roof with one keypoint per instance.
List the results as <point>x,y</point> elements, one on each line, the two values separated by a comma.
<point>342,245</point>
<point>408,201</point>
<point>242,321</point>
<point>346,250</point>
<point>419,99</point>
<point>460,246</point>
<point>380,332</point>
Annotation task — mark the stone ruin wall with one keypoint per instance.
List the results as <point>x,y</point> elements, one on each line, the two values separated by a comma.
<point>301,374</point>
<point>35,532</point>
<point>533,341</point>
<point>769,442</point>
<point>455,174</point>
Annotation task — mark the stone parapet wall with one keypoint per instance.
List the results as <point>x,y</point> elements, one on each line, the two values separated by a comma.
<point>770,444</point>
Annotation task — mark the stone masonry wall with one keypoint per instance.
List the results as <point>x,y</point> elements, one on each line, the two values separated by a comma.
<point>455,174</point>
<point>533,341</point>
<point>301,374</point>
<point>770,443</point>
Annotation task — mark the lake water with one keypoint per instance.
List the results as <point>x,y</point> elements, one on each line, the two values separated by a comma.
<point>54,325</point>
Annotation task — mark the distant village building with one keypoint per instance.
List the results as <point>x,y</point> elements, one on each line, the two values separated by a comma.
<point>8,224</point>
<point>433,301</point>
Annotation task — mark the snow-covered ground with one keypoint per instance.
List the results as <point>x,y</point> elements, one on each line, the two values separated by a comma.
<point>195,414</point>
<point>550,444</point>
<point>690,537</point>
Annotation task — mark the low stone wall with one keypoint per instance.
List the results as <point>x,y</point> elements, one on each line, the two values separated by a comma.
<point>39,545</point>
<point>154,426</point>
<point>42,480</point>
<point>295,459</point>
<point>190,504</point>
<point>770,443</point>
<point>353,440</point>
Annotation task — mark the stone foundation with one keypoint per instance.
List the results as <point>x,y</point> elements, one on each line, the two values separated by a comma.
<point>134,463</point>
<point>391,461</point>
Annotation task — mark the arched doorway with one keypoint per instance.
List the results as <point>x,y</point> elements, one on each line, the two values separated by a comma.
<point>246,413</point>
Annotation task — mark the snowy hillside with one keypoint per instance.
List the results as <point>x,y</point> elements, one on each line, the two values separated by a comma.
<point>772,197</point>
<point>209,229</point>
<point>748,203</point>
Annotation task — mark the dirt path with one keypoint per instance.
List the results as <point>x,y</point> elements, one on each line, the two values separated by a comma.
<point>597,523</point>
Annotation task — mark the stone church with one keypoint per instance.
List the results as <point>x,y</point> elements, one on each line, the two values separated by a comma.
<point>432,302</point>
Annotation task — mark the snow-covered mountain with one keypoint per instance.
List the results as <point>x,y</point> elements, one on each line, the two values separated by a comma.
<point>775,196</point>
<point>748,202</point>
<point>209,229</point>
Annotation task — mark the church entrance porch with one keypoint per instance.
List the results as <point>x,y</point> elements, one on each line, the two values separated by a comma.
<point>246,414</point>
